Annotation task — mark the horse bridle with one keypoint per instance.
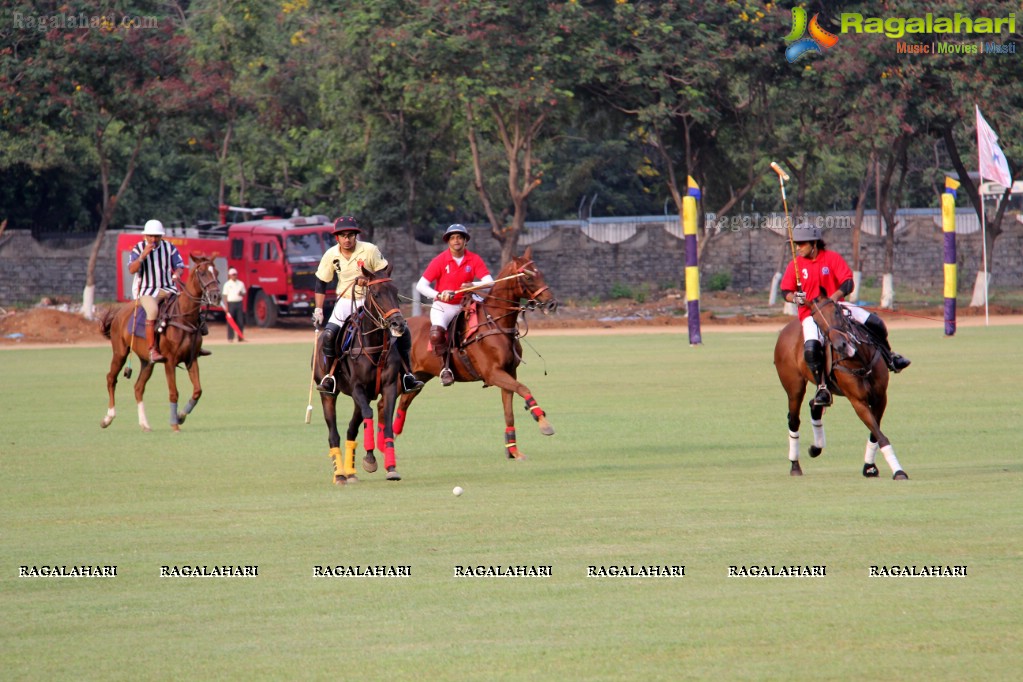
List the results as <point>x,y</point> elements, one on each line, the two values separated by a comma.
<point>380,316</point>
<point>204,296</point>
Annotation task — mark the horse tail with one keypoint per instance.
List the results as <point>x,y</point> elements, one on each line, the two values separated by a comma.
<point>106,322</point>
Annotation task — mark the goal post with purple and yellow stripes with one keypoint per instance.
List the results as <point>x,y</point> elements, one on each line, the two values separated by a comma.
<point>948,228</point>
<point>689,208</point>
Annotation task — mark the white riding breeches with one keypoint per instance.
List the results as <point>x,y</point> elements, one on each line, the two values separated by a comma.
<point>812,333</point>
<point>442,313</point>
<point>344,308</point>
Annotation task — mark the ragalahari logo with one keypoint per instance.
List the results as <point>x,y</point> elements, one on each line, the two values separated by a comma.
<point>818,41</point>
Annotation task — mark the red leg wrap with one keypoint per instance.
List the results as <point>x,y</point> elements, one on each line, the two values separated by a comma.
<point>380,436</point>
<point>533,408</point>
<point>390,459</point>
<point>399,422</point>
<point>367,434</point>
<point>509,441</point>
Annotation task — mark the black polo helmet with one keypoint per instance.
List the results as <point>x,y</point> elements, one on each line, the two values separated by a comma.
<point>457,228</point>
<point>346,224</point>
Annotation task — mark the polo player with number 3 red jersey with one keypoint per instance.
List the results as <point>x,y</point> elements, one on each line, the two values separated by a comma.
<point>825,273</point>
<point>452,270</point>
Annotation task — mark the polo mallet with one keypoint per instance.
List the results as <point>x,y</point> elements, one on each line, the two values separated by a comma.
<point>782,177</point>
<point>131,334</point>
<point>312,375</point>
<point>486,285</point>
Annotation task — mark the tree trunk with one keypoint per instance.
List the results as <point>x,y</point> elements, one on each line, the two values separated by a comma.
<point>107,214</point>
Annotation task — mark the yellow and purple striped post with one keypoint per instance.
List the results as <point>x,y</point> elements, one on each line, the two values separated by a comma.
<point>948,227</point>
<point>692,264</point>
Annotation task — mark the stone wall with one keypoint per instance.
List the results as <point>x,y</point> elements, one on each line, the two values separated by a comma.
<point>576,267</point>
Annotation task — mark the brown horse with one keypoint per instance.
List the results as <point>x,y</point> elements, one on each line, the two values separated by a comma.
<point>855,368</point>
<point>368,365</point>
<point>180,342</point>
<point>490,352</point>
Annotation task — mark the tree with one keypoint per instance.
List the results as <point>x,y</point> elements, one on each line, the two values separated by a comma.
<point>111,83</point>
<point>510,70</point>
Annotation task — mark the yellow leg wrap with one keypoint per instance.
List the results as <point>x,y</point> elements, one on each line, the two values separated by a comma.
<point>335,456</point>
<point>349,468</point>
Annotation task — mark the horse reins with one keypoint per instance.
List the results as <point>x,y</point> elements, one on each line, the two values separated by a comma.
<point>868,363</point>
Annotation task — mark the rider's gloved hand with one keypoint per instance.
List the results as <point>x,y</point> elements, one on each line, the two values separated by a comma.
<point>799,298</point>
<point>318,317</point>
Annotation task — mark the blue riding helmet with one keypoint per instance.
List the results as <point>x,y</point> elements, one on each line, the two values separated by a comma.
<point>456,229</point>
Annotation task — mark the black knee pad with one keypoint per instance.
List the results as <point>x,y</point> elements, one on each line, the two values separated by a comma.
<point>329,338</point>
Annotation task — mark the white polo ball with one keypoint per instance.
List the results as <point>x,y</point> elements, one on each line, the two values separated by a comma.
<point>457,490</point>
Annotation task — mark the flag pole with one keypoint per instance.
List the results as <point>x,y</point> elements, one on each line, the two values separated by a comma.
<point>983,247</point>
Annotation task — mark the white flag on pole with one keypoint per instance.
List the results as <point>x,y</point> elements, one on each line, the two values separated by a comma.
<point>993,165</point>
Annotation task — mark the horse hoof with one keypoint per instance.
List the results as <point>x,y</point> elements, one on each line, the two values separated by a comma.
<point>352,478</point>
<point>106,422</point>
<point>795,469</point>
<point>393,475</point>
<point>181,419</point>
<point>815,451</point>
<point>900,475</point>
<point>870,470</point>
<point>145,429</point>
<point>369,464</point>
<point>340,480</point>
<point>546,429</point>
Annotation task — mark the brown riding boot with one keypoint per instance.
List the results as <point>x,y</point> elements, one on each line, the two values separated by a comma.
<point>439,340</point>
<point>154,351</point>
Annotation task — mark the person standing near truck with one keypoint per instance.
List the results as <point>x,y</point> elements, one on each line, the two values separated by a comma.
<point>234,293</point>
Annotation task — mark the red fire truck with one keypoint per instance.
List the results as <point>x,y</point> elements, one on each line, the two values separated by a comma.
<point>276,258</point>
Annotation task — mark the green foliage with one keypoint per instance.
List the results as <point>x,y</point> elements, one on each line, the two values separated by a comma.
<point>718,281</point>
<point>364,107</point>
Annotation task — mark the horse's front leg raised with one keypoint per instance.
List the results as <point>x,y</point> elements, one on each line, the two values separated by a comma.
<point>508,382</point>
<point>193,376</point>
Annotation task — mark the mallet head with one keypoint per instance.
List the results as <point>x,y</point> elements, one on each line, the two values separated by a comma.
<point>778,169</point>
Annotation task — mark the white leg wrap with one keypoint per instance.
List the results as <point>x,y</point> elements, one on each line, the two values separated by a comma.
<point>818,432</point>
<point>793,446</point>
<point>889,455</point>
<point>143,422</point>
<point>871,453</point>
<point>111,412</point>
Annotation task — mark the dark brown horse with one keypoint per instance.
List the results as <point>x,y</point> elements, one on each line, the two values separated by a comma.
<point>368,366</point>
<point>180,342</point>
<point>855,368</point>
<point>490,352</point>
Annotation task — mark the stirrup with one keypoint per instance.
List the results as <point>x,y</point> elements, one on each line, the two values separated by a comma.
<point>822,398</point>
<point>327,385</point>
<point>410,384</point>
<point>447,377</point>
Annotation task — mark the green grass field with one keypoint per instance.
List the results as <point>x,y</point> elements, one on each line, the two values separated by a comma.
<point>665,454</point>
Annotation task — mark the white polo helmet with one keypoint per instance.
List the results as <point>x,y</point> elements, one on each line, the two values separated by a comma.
<point>153,227</point>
